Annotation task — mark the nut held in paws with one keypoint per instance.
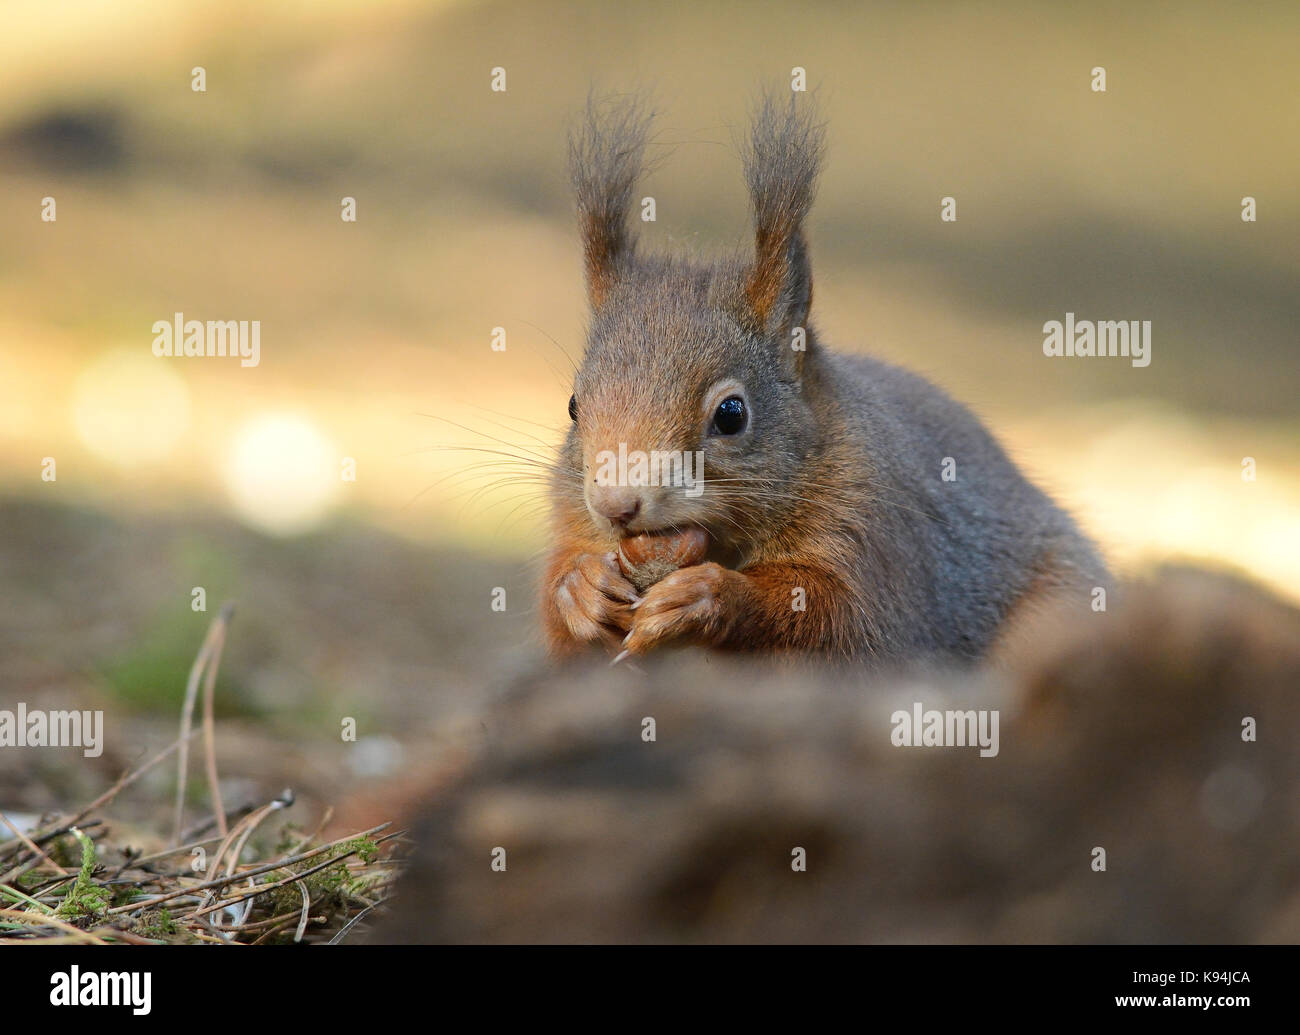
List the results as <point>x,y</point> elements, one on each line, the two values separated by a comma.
<point>647,558</point>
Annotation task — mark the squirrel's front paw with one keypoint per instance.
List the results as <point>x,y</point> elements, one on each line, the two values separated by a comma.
<point>593,600</point>
<point>686,605</point>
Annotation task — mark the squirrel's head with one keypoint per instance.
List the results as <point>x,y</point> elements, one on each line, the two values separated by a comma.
<point>688,407</point>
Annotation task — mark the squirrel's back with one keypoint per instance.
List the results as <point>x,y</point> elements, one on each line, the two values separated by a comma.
<point>962,534</point>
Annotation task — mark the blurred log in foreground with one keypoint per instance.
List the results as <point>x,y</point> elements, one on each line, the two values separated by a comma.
<point>1131,735</point>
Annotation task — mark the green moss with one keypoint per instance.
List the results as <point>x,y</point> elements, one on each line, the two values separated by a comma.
<point>156,923</point>
<point>333,887</point>
<point>84,898</point>
<point>126,895</point>
<point>365,847</point>
<point>363,883</point>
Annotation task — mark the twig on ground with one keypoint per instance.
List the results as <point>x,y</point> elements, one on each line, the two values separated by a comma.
<point>206,661</point>
<point>32,846</point>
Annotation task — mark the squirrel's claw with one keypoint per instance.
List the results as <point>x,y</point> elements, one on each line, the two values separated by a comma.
<point>593,601</point>
<point>686,605</point>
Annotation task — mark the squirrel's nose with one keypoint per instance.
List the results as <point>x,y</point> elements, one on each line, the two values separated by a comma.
<point>619,505</point>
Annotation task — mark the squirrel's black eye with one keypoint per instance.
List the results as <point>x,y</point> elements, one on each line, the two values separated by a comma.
<point>730,417</point>
<point>573,408</point>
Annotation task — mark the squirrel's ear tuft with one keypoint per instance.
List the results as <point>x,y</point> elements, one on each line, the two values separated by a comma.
<point>781,165</point>
<point>606,156</point>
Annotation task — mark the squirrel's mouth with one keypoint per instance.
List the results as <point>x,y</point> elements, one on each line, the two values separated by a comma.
<point>681,530</point>
<point>656,533</point>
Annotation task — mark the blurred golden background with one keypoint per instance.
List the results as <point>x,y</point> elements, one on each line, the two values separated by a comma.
<point>376,335</point>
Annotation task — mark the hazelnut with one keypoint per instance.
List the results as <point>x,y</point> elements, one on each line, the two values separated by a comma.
<point>645,559</point>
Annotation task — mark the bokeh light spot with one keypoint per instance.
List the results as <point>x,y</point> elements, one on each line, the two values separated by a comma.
<point>282,473</point>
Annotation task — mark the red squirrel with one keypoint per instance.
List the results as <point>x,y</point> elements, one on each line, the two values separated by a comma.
<point>817,503</point>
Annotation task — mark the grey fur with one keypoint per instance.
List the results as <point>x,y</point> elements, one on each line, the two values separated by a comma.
<point>841,467</point>
<point>606,156</point>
